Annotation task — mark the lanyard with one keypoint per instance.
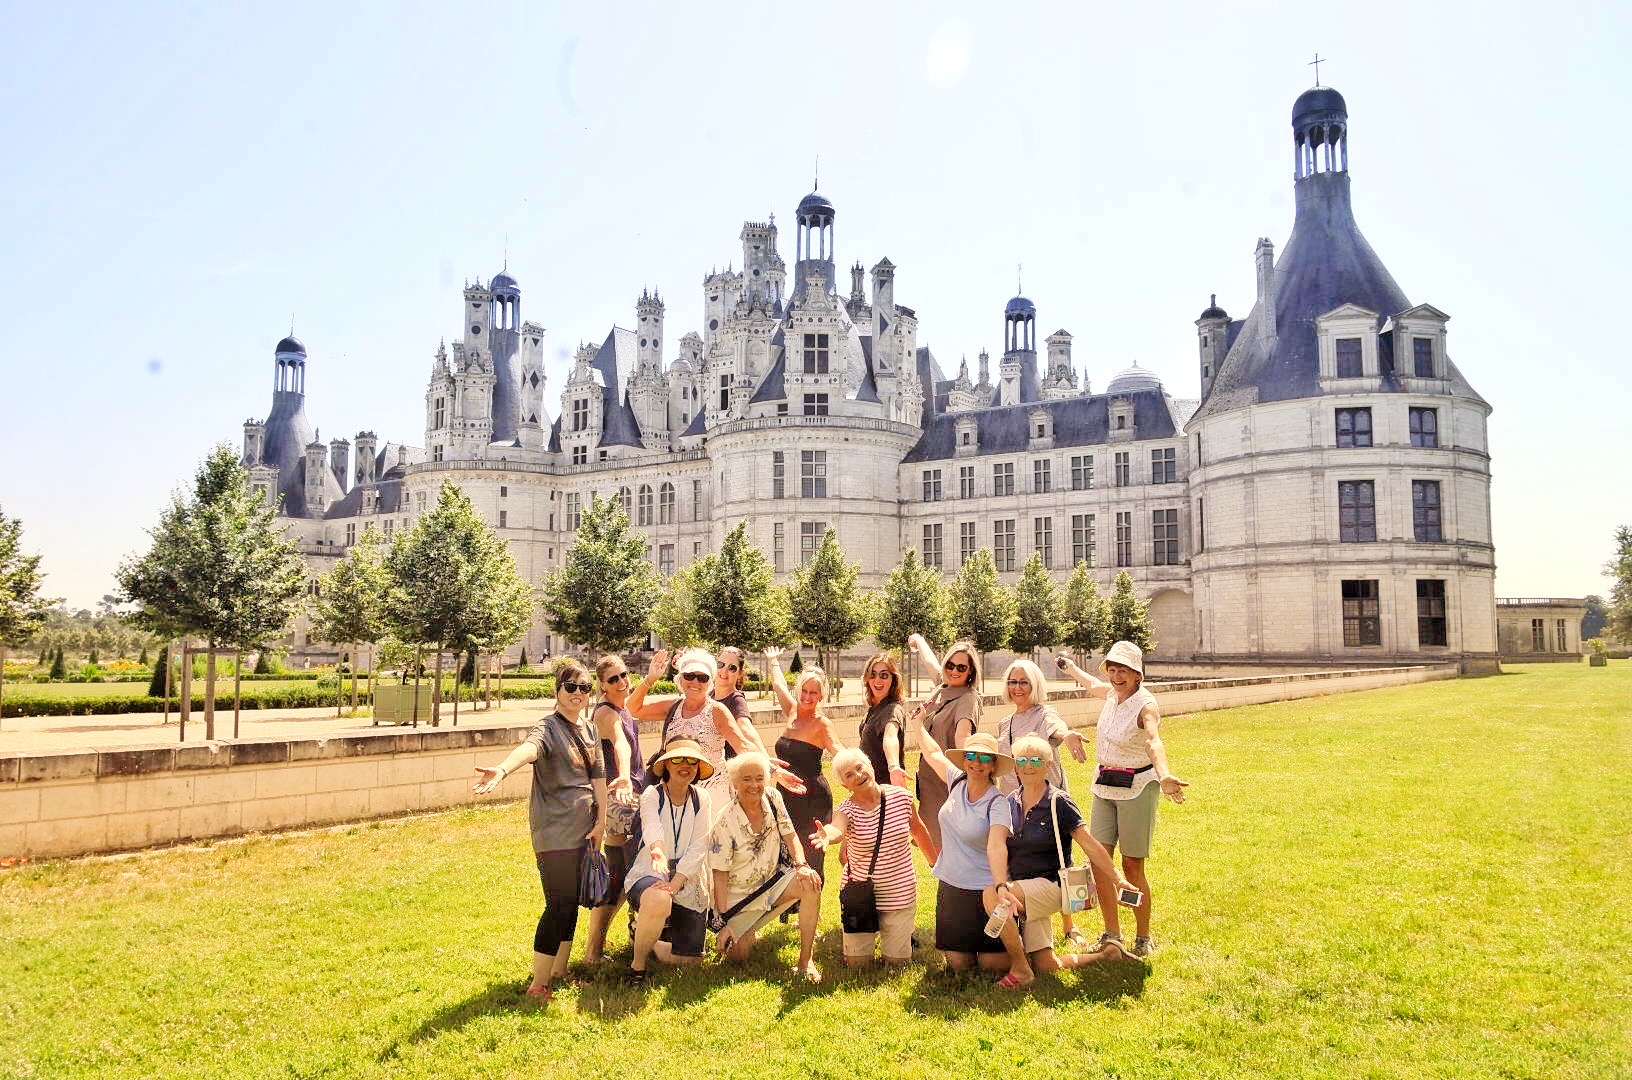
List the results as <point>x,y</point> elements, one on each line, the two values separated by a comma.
<point>676,824</point>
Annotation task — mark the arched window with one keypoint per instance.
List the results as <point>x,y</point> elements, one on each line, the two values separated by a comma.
<point>665,504</point>
<point>627,501</point>
<point>645,505</point>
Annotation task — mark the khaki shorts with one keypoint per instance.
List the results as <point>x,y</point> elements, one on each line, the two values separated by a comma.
<point>1042,904</point>
<point>895,930</point>
<point>1126,823</point>
<point>745,919</point>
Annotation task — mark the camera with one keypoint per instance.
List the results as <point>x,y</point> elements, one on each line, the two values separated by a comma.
<point>1129,897</point>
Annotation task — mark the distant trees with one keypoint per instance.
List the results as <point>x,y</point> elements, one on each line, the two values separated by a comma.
<point>1592,623</point>
<point>737,601</point>
<point>1127,618</point>
<point>674,616</point>
<point>982,610</point>
<point>219,568</point>
<point>350,606</point>
<point>913,601</point>
<point>22,609</point>
<point>1619,570</point>
<point>825,607</point>
<point>602,597</point>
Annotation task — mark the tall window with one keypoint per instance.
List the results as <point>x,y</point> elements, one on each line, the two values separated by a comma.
<point>725,394</point>
<point>1003,478</point>
<point>1425,511</point>
<point>1431,627</point>
<point>580,455</point>
<point>810,540</point>
<point>1362,613</point>
<point>626,499</point>
<point>1164,466</point>
<point>439,414</point>
<point>932,485</point>
<point>1563,635</point>
<point>1353,427</point>
<point>665,504</point>
<point>933,553</point>
<point>1164,537</point>
<point>1042,480</point>
<point>966,481</point>
<point>504,519</point>
<point>696,500</point>
<point>580,414</point>
<point>1082,539</point>
<point>1422,357</point>
<point>388,526</point>
<point>1124,473</point>
<point>1124,539</point>
<point>436,452</point>
<point>815,354</point>
<point>1082,472</point>
<point>1042,539</point>
<point>813,474</point>
<point>1348,358</point>
<point>643,505</point>
<point>575,513</point>
<point>1003,543</point>
<point>1357,511</point>
<point>665,559</point>
<point>966,541</point>
<point>779,543</point>
<point>779,475</point>
<point>351,530</point>
<point>815,404</point>
<point>1538,635</point>
<point>1424,427</point>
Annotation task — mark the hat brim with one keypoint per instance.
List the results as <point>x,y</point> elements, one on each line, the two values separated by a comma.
<point>1002,764</point>
<point>705,768</point>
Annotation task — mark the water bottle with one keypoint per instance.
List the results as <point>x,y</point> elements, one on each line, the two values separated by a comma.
<point>999,918</point>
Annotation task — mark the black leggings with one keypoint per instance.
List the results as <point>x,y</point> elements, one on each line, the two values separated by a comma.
<point>558,873</point>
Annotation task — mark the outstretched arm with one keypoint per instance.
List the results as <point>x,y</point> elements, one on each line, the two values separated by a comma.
<point>524,754</point>
<point>784,697</point>
<point>1150,720</point>
<point>638,706</point>
<point>1095,687</point>
<point>926,655</point>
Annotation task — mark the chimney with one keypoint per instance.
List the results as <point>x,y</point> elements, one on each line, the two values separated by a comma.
<point>1266,288</point>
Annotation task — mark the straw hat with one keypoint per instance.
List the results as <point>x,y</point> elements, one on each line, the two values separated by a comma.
<point>982,743</point>
<point>1127,654</point>
<point>686,748</point>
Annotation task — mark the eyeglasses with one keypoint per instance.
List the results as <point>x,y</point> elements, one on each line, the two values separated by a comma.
<point>1019,682</point>
<point>619,677</point>
<point>683,761</point>
<point>1030,759</point>
<point>878,674</point>
<point>576,687</point>
<point>694,676</point>
<point>956,668</point>
<point>984,759</point>
<point>730,667</point>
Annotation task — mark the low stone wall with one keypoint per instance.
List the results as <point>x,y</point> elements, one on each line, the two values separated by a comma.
<point>75,802</point>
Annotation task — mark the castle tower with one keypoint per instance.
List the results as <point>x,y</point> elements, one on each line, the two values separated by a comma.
<point>503,347</point>
<point>340,461</point>
<point>530,427</point>
<point>317,471</point>
<point>439,403</point>
<point>814,242</point>
<point>254,441</point>
<point>1017,375</point>
<point>1060,379</point>
<point>648,390</point>
<point>1212,334</point>
<point>886,362</point>
<point>287,435</point>
<point>763,272</point>
<point>366,445</point>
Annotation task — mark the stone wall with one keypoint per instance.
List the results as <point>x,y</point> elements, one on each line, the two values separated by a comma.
<point>74,802</point>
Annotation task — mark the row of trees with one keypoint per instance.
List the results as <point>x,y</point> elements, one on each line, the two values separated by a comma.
<point>607,597</point>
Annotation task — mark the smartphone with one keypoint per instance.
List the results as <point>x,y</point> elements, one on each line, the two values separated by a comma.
<point>1059,662</point>
<point>1129,897</point>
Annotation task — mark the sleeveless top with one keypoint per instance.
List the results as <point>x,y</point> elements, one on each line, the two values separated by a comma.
<point>631,734</point>
<point>805,761</point>
<point>949,707</point>
<point>737,702</point>
<point>1120,743</point>
<point>871,736</point>
<point>701,728</point>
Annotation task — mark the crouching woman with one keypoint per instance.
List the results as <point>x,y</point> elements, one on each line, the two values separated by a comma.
<point>668,883</point>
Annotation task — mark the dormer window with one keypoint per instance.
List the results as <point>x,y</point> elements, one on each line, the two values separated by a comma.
<point>580,414</point>
<point>1422,357</point>
<point>1347,340</point>
<point>1041,426</point>
<point>968,435</point>
<point>1349,364</point>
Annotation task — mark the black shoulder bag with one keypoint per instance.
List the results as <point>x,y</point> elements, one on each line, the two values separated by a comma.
<point>858,901</point>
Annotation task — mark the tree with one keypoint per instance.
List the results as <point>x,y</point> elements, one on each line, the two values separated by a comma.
<point>603,596</point>
<point>454,585</point>
<point>157,686</point>
<point>737,599</point>
<point>220,568</point>
<point>1619,568</point>
<point>1126,617</point>
<point>913,601</point>
<point>1592,623</point>
<point>1039,609</point>
<point>982,609</point>
<point>59,666</point>
<point>22,609</point>
<point>825,606</point>
<point>1084,613</point>
<point>674,616</point>
<point>350,607</point>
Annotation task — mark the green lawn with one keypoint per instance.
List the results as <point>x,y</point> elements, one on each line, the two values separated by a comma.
<point>1430,881</point>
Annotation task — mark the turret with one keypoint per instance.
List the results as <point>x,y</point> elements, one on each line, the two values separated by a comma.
<point>648,390</point>
<point>1212,334</point>
<point>254,442</point>
<point>367,455</point>
<point>340,461</point>
<point>885,361</point>
<point>1264,261</point>
<point>317,469</point>
<point>1017,377</point>
<point>814,244</point>
<point>763,272</point>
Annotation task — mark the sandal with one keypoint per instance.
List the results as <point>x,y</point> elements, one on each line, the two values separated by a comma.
<point>1078,940</point>
<point>811,972</point>
<point>635,980</point>
<point>1011,981</point>
<point>539,994</point>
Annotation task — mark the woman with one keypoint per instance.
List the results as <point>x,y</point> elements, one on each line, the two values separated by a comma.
<point>950,714</point>
<point>973,863</point>
<point>882,735</point>
<point>1132,772</point>
<point>669,887</point>
<point>566,815</point>
<point>1049,822</point>
<point>730,664</point>
<point>875,818</point>
<point>750,887</point>
<point>626,779</point>
<point>807,736</point>
<point>694,714</point>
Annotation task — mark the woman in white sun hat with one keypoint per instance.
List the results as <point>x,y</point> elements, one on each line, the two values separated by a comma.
<point>1132,773</point>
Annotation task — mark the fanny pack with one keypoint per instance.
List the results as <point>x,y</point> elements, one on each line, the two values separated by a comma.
<point>1113,777</point>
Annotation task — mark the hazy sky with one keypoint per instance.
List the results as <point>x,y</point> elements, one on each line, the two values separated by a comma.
<point>178,179</point>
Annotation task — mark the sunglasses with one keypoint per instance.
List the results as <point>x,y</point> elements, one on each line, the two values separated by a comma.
<point>731,667</point>
<point>619,677</point>
<point>577,687</point>
<point>1031,759</point>
<point>694,676</point>
<point>956,668</point>
<point>984,759</point>
<point>1019,682</point>
<point>683,761</point>
<point>879,675</point>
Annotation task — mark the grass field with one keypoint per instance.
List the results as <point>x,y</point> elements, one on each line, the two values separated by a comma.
<point>1433,881</point>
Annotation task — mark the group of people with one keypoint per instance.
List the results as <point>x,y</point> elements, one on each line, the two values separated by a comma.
<point>719,833</point>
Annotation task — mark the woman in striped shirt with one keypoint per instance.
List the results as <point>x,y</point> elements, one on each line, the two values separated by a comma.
<point>874,810</point>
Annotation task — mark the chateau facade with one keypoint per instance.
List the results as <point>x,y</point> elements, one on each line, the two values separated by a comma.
<point>1327,499</point>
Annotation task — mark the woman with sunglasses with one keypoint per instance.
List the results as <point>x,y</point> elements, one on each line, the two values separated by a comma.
<point>882,736</point>
<point>1132,773</point>
<point>1049,822</point>
<point>566,815</point>
<point>669,887</point>
<point>950,714</point>
<point>730,666</point>
<point>626,779</point>
<point>808,735</point>
<point>973,863</point>
<point>694,714</point>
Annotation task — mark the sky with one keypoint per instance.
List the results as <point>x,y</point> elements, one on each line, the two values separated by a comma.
<point>181,183</point>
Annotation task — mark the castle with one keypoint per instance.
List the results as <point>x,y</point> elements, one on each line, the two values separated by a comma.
<point>1326,500</point>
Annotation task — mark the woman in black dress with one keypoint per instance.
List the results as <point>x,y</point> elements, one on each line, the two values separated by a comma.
<point>809,733</point>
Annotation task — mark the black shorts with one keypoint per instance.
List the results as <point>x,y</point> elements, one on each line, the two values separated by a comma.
<point>960,921</point>
<point>685,931</point>
<point>617,866</point>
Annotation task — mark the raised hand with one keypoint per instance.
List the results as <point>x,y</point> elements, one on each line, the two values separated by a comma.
<point>659,665</point>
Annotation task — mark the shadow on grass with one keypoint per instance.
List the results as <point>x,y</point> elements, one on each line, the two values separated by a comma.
<point>496,997</point>
<point>949,994</point>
